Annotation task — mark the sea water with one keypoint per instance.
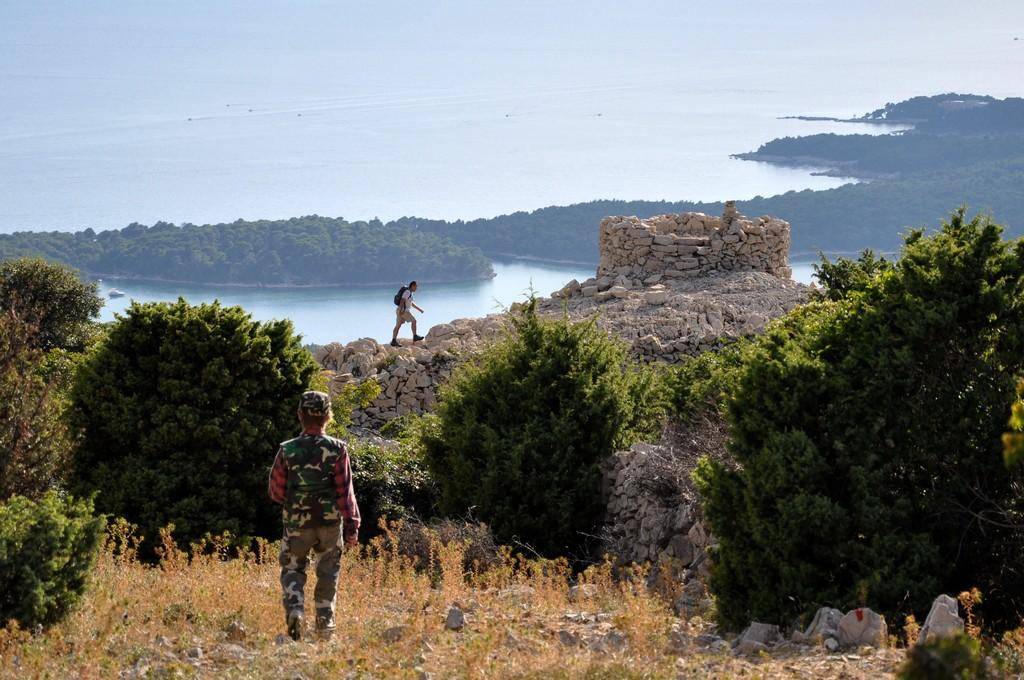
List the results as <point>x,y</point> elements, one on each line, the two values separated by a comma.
<point>325,315</point>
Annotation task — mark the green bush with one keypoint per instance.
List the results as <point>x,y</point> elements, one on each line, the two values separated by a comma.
<point>47,548</point>
<point>521,429</point>
<point>391,482</point>
<point>954,658</point>
<point>52,298</point>
<point>35,445</point>
<point>182,408</point>
<point>703,382</point>
<point>867,431</point>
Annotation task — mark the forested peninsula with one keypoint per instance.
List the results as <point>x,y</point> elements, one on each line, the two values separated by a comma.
<point>302,251</point>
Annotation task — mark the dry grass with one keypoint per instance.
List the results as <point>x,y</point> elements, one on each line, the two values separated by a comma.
<point>146,621</point>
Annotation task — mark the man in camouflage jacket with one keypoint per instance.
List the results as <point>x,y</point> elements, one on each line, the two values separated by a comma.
<point>312,480</point>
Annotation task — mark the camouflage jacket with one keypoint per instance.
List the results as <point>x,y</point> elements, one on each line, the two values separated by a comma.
<point>312,479</point>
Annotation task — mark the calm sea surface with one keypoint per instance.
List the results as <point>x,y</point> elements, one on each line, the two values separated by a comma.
<point>197,111</point>
<point>324,315</point>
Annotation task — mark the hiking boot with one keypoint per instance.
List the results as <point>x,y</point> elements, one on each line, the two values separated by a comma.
<point>325,628</point>
<point>295,626</point>
<point>395,343</point>
<point>417,338</point>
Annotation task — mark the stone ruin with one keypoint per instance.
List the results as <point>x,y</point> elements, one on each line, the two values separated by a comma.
<point>670,286</point>
<point>691,245</point>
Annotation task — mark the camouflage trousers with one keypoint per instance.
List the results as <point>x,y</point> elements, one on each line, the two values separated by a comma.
<point>294,558</point>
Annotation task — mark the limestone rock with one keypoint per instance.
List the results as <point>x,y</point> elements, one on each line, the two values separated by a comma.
<point>943,620</point>
<point>456,619</point>
<point>757,637</point>
<point>863,626</point>
<point>825,624</point>
<point>656,297</point>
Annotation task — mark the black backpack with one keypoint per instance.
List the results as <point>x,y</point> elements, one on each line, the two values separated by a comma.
<point>398,295</point>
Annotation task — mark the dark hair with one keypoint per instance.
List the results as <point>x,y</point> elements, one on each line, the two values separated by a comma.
<point>412,283</point>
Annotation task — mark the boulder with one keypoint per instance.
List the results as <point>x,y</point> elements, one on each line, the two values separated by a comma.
<point>756,638</point>
<point>568,290</point>
<point>456,619</point>
<point>656,297</point>
<point>619,292</point>
<point>825,624</point>
<point>862,626</point>
<point>943,620</point>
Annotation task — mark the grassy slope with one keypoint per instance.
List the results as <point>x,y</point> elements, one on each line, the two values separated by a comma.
<point>143,621</point>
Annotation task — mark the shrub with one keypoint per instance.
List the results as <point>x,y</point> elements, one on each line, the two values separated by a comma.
<point>52,298</point>
<point>419,541</point>
<point>868,434</point>
<point>391,482</point>
<point>521,429</point>
<point>702,383</point>
<point>35,447</point>
<point>182,408</point>
<point>47,548</point>
<point>953,658</point>
<point>844,276</point>
<point>350,397</point>
<point>1013,441</point>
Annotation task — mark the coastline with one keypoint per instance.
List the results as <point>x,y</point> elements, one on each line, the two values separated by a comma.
<point>822,167</point>
<point>279,286</point>
<point>870,121</point>
<point>541,260</point>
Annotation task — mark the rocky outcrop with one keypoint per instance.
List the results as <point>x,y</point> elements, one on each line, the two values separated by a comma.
<point>408,376</point>
<point>670,320</point>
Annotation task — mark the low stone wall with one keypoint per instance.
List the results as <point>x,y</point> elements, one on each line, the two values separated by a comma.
<point>408,376</point>
<point>651,513</point>
<point>689,245</point>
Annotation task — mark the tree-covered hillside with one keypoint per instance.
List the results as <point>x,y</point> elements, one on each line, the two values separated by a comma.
<point>302,251</point>
<point>845,219</point>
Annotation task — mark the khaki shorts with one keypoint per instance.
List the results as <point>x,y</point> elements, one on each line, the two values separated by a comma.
<point>404,315</point>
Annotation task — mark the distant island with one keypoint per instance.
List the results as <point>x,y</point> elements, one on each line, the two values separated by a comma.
<point>962,149</point>
<point>299,252</point>
<point>961,128</point>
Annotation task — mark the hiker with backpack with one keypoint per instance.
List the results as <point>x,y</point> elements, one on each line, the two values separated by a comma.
<point>403,301</point>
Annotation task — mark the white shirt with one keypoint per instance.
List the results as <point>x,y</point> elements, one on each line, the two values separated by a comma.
<point>406,298</point>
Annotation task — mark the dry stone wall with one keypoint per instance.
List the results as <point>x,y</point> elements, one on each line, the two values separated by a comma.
<point>408,376</point>
<point>690,245</point>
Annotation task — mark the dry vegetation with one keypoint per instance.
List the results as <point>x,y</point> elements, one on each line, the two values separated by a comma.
<point>199,615</point>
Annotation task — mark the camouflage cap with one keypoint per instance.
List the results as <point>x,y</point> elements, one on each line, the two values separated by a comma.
<point>315,403</point>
